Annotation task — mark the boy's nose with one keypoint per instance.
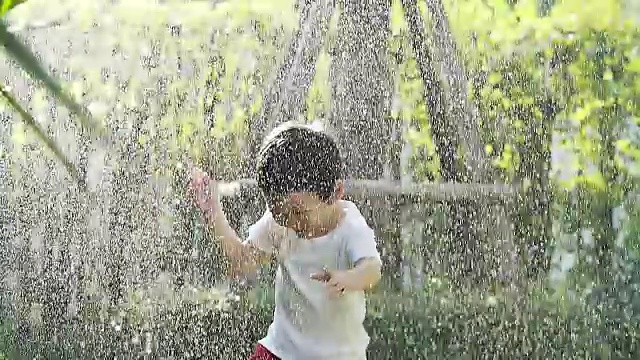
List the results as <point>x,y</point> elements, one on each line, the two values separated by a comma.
<point>296,225</point>
<point>280,219</point>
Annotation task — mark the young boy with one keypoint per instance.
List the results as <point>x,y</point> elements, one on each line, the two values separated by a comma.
<point>325,250</point>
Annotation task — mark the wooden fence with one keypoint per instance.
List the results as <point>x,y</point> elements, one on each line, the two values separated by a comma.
<point>411,222</point>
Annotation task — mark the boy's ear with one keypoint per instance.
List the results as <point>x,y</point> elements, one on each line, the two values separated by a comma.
<point>339,192</point>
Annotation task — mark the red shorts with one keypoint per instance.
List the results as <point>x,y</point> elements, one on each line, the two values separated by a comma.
<point>262,353</point>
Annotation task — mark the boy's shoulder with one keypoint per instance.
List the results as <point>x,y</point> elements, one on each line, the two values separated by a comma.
<point>354,221</point>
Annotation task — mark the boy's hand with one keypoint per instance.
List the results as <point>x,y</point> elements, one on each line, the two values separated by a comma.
<point>337,281</point>
<point>362,277</point>
<point>202,190</point>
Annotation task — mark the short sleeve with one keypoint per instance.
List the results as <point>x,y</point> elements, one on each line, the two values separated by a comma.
<point>261,234</point>
<point>361,244</point>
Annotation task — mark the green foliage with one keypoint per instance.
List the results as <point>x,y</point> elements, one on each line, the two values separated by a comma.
<point>6,5</point>
<point>40,133</point>
<point>7,339</point>
<point>254,32</point>
<point>520,59</point>
<point>507,60</point>
<point>25,58</point>
<point>401,327</point>
<point>582,56</point>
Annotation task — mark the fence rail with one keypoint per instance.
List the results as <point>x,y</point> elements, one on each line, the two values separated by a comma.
<point>418,193</point>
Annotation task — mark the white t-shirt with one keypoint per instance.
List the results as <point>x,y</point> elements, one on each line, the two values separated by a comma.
<point>308,324</point>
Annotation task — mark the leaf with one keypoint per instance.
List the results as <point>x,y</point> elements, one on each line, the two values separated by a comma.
<point>6,5</point>
<point>596,180</point>
<point>581,114</point>
<point>623,145</point>
<point>40,133</point>
<point>488,149</point>
<point>633,65</point>
<point>494,78</point>
<point>29,63</point>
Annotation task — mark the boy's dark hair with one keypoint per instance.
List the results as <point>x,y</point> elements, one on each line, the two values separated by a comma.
<point>298,158</point>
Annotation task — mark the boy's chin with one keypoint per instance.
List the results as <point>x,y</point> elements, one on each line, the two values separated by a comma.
<point>300,233</point>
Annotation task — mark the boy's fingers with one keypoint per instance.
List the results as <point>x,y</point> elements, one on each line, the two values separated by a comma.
<point>324,275</point>
<point>318,276</point>
<point>194,172</point>
<point>336,291</point>
<point>197,174</point>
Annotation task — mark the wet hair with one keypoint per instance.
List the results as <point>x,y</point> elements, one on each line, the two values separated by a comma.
<point>298,158</point>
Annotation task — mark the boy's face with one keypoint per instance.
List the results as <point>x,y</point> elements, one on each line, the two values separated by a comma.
<point>303,212</point>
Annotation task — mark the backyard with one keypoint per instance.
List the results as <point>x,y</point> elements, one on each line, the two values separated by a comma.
<point>494,148</point>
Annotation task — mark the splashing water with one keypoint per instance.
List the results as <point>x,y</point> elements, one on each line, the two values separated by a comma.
<point>544,267</point>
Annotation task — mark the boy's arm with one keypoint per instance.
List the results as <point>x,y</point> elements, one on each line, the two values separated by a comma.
<point>363,253</point>
<point>366,271</point>
<point>365,275</point>
<point>244,257</point>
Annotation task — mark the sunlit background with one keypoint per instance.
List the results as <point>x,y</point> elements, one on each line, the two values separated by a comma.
<point>492,145</point>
